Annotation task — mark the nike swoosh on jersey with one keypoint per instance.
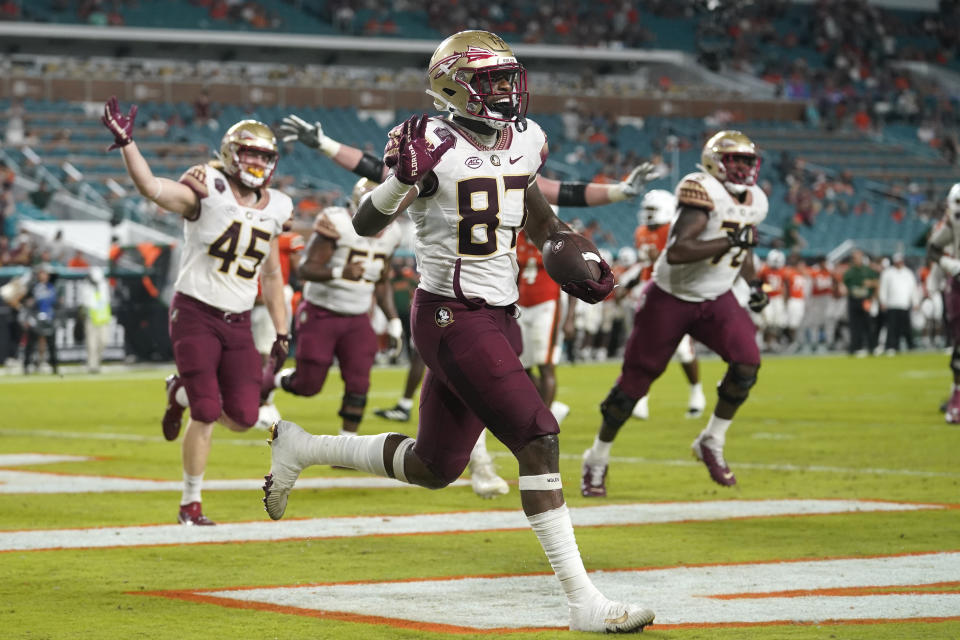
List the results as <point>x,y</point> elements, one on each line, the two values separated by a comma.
<point>514,160</point>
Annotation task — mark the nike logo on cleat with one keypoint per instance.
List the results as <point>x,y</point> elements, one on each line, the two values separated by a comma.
<point>514,160</point>
<point>619,620</point>
<point>728,475</point>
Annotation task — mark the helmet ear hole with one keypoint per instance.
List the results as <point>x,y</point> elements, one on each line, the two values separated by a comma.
<point>449,92</point>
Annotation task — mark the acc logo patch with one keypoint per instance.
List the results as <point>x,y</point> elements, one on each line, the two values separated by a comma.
<point>443,317</point>
<point>173,315</point>
<point>219,185</point>
<point>303,317</point>
<point>473,162</point>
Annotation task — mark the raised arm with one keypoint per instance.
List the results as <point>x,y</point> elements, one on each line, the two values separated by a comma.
<point>168,194</point>
<point>595,194</point>
<point>350,158</point>
<point>416,158</point>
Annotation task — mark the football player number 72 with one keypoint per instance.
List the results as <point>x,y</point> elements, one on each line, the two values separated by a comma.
<point>737,258</point>
<point>225,248</point>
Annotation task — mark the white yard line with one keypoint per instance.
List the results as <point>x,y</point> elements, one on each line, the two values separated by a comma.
<point>259,442</point>
<point>832,590</point>
<point>461,522</point>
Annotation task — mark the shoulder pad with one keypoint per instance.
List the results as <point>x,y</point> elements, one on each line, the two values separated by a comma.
<point>196,178</point>
<point>691,193</point>
<point>325,227</point>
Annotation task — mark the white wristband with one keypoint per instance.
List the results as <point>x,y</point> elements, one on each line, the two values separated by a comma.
<point>395,328</point>
<point>387,197</point>
<point>616,193</point>
<point>329,146</point>
<point>336,273</point>
<point>950,265</point>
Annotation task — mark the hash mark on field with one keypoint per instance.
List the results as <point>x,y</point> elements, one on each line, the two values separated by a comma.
<point>437,523</point>
<point>828,591</point>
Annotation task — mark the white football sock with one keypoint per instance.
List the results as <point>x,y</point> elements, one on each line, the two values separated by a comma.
<point>717,428</point>
<point>480,448</point>
<point>180,397</point>
<point>696,388</point>
<point>600,451</point>
<point>364,453</point>
<point>191,488</point>
<point>555,532</point>
<point>405,403</point>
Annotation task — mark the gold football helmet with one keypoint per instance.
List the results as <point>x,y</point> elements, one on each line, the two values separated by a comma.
<point>719,152</point>
<point>360,189</point>
<point>253,136</point>
<point>467,74</point>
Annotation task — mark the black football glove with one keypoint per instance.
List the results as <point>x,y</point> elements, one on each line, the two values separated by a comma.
<point>745,237</point>
<point>758,297</point>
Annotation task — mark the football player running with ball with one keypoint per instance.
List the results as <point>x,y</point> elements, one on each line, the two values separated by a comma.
<point>230,229</point>
<point>468,180</point>
<point>711,243</point>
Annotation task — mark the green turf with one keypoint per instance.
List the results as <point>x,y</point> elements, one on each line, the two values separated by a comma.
<point>830,427</point>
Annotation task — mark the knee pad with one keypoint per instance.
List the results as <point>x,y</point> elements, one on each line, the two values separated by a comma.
<point>207,410</point>
<point>617,407</point>
<point>352,406</point>
<point>306,380</point>
<point>736,384</point>
<point>955,360</point>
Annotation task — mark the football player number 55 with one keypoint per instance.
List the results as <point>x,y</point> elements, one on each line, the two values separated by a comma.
<point>225,248</point>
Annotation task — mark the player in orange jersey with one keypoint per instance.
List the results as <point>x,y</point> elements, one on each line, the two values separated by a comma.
<point>774,315</point>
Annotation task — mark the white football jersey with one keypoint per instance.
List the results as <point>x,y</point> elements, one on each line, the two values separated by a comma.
<point>476,213</point>
<point>712,277</point>
<point>945,235</point>
<point>226,245</point>
<point>352,297</point>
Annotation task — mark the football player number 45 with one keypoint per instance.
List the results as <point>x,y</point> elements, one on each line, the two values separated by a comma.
<point>225,248</point>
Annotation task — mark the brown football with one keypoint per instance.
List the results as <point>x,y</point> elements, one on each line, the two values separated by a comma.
<point>570,257</point>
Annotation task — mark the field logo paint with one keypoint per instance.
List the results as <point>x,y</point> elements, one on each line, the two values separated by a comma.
<point>919,587</point>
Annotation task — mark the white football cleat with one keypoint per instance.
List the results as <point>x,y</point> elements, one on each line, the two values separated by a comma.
<point>606,616</point>
<point>697,402</point>
<point>484,479</point>
<point>641,410</point>
<point>267,416</point>
<point>286,441</point>
<point>559,410</point>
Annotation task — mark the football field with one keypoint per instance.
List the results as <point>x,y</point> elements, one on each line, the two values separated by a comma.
<point>844,522</point>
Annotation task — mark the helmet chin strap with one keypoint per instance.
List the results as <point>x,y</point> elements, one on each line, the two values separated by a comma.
<point>733,187</point>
